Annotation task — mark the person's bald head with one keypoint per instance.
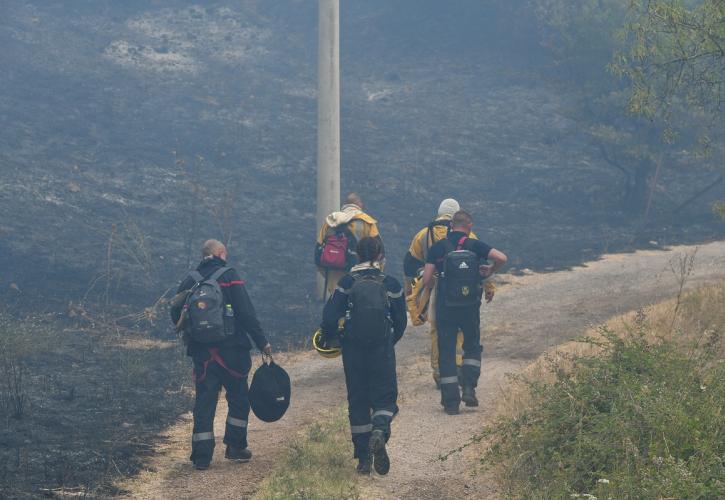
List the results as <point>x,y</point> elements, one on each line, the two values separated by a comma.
<point>214,248</point>
<point>354,199</point>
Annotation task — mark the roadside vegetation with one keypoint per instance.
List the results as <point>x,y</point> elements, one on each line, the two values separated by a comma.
<point>317,464</point>
<point>634,410</point>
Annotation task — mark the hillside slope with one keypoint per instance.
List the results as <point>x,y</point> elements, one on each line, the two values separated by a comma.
<point>529,315</point>
<point>136,130</point>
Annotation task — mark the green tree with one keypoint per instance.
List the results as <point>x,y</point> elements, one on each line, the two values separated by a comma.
<point>673,56</point>
<point>673,53</point>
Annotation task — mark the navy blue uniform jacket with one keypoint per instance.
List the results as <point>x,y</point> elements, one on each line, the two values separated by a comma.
<point>245,318</point>
<point>337,305</point>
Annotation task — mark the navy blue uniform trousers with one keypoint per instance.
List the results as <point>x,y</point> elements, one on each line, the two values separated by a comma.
<point>214,369</point>
<point>372,390</point>
<point>450,320</point>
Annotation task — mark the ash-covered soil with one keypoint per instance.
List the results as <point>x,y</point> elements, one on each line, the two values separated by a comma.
<point>82,405</point>
<point>134,130</point>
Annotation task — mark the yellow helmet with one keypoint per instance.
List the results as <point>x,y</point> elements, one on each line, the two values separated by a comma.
<point>323,349</point>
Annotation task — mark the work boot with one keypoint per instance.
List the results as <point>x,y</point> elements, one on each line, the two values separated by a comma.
<point>381,461</point>
<point>202,464</point>
<point>452,410</point>
<point>468,396</point>
<point>364,465</point>
<point>238,454</point>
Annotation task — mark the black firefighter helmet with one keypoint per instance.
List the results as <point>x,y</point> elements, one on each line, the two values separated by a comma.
<point>269,393</point>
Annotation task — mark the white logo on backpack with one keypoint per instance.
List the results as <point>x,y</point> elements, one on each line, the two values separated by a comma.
<point>463,266</point>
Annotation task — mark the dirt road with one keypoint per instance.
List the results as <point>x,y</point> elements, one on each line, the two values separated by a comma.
<point>530,314</point>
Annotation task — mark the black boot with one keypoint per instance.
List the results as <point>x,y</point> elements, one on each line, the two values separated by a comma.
<point>381,461</point>
<point>238,454</point>
<point>452,410</point>
<point>468,396</point>
<point>364,464</point>
<point>201,464</point>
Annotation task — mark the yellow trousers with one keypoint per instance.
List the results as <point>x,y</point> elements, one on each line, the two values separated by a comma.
<point>434,350</point>
<point>331,280</point>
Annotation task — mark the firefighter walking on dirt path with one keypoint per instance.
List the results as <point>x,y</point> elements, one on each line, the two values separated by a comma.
<point>218,318</point>
<point>373,308</point>
<point>458,262</point>
<point>413,265</point>
<point>338,238</point>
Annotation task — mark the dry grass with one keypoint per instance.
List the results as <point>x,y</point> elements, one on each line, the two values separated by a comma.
<point>632,409</point>
<point>317,464</point>
<point>699,313</point>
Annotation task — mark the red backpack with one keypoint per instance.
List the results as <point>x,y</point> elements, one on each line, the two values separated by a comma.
<point>337,250</point>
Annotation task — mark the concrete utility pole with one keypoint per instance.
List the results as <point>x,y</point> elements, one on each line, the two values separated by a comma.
<point>328,113</point>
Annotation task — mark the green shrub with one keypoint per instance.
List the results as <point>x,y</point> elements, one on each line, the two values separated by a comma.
<point>641,419</point>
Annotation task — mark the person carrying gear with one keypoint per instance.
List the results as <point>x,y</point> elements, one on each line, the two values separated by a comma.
<point>458,262</point>
<point>338,237</point>
<point>222,359</point>
<point>374,310</point>
<point>413,265</point>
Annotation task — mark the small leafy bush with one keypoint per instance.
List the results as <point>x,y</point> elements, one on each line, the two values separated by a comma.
<point>642,418</point>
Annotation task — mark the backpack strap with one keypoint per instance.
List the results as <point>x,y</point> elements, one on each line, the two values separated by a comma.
<point>430,238</point>
<point>218,273</point>
<point>196,276</point>
<point>339,229</point>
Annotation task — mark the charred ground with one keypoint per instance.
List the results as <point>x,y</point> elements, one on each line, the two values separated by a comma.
<point>135,130</point>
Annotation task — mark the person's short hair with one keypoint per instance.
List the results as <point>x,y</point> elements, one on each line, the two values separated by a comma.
<point>461,219</point>
<point>210,248</point>
<point>368,249</point>
<point>353,199</point>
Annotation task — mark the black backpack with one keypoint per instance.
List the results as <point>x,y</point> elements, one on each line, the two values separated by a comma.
<point>368,315</point>
<point>208,317</point>
<point>461,279</point>
<point>270,391</point>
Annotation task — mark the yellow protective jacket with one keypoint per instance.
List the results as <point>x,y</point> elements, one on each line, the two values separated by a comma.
<point>418,302</point>
<point>359,223</point>
<point>422,241</point>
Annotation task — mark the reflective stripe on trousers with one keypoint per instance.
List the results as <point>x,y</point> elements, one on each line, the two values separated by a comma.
<point>383,413</point>
<point>202,436</point>
<point>236,422</point>
<point>361,429</point>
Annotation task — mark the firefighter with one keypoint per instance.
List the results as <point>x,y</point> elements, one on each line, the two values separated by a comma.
<point>413,264</point>
<point>374,310</point>
<point>224,363</point>
<point>458,261</point>
<point>357,225</point>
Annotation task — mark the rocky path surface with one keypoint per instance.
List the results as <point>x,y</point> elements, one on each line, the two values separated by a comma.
<point>529,315</point>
